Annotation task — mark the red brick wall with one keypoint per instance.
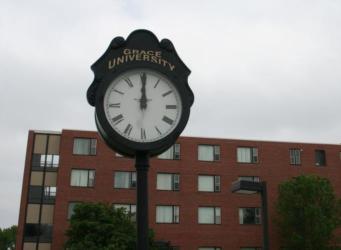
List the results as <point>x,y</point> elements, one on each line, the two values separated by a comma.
<point>273,167</point>
<point>24,191</point>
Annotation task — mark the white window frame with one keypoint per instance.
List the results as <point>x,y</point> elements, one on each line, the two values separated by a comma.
<point>216,215</point>
<point>174,184</point>
<point>215,183</point>
<point>295,156</point>
<point>90,179</point>
<point>175,214</point>
<point>214,155</point>
<point>50,191</point>
<point>173,153</point>
<point>52,161</point>
<point>48,161</point>
<point>247,155</point>
<point>132,180</point>
<point>91,149</point>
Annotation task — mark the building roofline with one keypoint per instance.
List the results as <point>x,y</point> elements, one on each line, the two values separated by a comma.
<point>261,140</point>
<point>204,137</point>
<point>37,131</point>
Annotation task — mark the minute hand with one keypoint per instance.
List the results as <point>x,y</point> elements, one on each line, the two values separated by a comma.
<point>143,100</point>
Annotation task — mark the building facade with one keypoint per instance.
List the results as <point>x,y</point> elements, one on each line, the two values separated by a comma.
<point>190,202</point>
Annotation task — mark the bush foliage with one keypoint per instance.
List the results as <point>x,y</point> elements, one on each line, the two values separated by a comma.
<point>97,226</point>
<point>308,213</point>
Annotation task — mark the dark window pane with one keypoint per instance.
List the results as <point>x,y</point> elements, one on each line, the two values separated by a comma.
<point>249,215</point>
<point>34,194</point>
<point>46,233</point>
<point>31,232</point>
<point>320,158</point>
<point>36,160</point>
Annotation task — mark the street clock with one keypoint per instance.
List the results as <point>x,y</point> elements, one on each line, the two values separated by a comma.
<point>141,95</point>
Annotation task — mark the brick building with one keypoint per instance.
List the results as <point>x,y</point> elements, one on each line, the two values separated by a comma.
<point>190,202</point>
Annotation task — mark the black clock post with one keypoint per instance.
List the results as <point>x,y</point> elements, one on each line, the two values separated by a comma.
<point>142,104</point>
<point>142,166</point>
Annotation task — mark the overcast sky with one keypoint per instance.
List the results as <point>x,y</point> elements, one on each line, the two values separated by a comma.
<point>267,70</point>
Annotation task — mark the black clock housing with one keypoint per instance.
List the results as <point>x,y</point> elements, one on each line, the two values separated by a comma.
<point>141,50</point>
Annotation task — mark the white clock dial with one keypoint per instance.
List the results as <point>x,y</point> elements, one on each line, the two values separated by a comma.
<point>142,105</point>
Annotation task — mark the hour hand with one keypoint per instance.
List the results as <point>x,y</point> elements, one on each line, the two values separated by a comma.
<point>143,100</point>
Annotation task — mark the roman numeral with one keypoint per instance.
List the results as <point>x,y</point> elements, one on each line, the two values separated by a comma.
<point>158,130</point>
<point>157,83</point>
<point>170,106</point>
<point>128,129</point>
<point>167,93</point>
<point>117,91</point>
<point>168,120</point>
<point>128,81</point>
<point>117,119</point>
<point>143,134</point>
<point>115,105</point>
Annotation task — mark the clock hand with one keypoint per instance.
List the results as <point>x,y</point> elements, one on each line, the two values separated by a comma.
<point>139,100</point>
<point>143,100</point>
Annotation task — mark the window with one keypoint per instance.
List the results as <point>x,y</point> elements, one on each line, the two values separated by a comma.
<point>247,155</point>
<point>84,146</point>
<point>208,153</point>
<point>45,151</point>
<point>33,231</point>
<point>209,215</point>
<point>40,160</point>
<point>82,178</point>
<point>32,214</point>
<point>250,248</point>
<point>167,214</point>
<point>168,182</point>
<point>35,193</point>
<point>209,183</point>
<point>52,161</point>
<point>320,158</point>
<point>128,208</point>
<point>125,180</point>
<point>164,245</point>
<point>295,156</point>
<point>209,248</point>
<point>249,178</point>
<point>71,209</point>
<point>50,192</point>
<point>173,153</point>
<point>249,215</point>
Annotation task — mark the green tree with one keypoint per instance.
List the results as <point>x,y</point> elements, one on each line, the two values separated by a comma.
<point>7,238</point>
<point>308,213</point>
<point>97,226</point>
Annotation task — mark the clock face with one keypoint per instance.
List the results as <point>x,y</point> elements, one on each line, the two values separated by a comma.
<point>142,105</point>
